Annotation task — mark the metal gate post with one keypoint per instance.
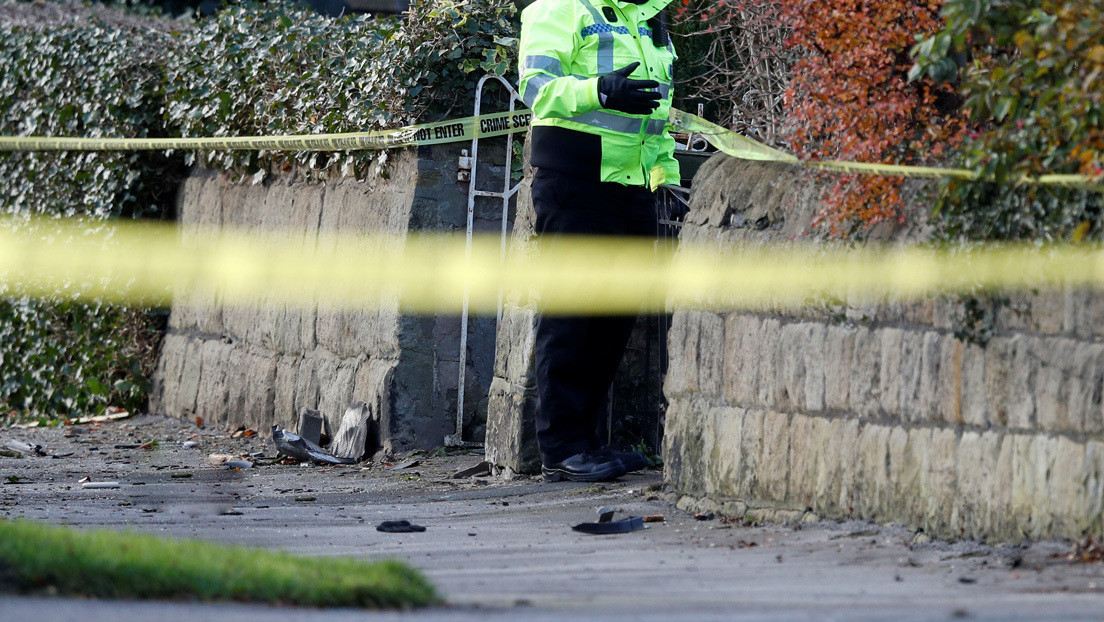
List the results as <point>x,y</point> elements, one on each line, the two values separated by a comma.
<point>508,191</point>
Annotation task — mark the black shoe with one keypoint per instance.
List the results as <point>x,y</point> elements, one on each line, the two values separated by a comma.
<point>585,467</point>
<point>632,460</point>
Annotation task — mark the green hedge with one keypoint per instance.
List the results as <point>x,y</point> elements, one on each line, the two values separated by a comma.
<point>254,69</point>
<point>1031,73</point>
<point>353,74</point>
<point>58,357</point>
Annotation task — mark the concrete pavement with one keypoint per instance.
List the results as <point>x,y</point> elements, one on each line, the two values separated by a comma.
<point>502,550</point>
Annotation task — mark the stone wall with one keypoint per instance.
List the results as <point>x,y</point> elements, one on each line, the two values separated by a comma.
<point>980,421</point>
<point>511,442</point>
<point>262,365</point>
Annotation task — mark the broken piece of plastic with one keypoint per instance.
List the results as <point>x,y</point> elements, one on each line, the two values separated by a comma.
<point>22,447</point>
<point>100,485</point>
<point>295,446</point>
<point>399,526</point>
<point>310,425</point>
<point>625,525</point>
<point>358,434</point>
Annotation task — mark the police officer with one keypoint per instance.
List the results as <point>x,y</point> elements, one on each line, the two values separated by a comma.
<point>598,76</point>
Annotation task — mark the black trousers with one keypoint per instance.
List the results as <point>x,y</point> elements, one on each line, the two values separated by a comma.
<point>577,356</point>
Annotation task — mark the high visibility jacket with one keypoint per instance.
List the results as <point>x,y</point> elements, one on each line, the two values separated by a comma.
<point>566,45</point>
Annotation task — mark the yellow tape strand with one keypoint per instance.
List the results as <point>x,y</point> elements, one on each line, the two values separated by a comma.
<point>153,264</point>
<point>454,130</point>
<point>738,146</point>
<point>499,124</point>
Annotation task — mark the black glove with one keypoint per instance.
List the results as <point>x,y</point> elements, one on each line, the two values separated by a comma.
<point>620,92</point>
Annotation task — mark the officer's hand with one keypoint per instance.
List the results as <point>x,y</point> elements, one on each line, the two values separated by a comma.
<point>620,92</point>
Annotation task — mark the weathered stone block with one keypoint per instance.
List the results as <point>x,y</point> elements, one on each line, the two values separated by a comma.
<point>1023,378</point>
<point>769,354</point>
<point>237,387</point>
<point>260,398</point>
<point>872,476</point>
<point>804,460</point>
<point>523,349</point>
<point>187,392</point>
<point>711,341</point>
<point>889,377</point>
<point>789,389</point>
<point>683,459</point>
<point>1086,387</point>
<point>844,453</point>
<point>1047,312</point>
<point>211,403</point>
<point>866,373</point>
<point>903,475</point>
<point>774,476</point>
<point>723,450</point>
<point>1067,511</point>
<point>974,400</point>
<point>165,385</point>
<point>975,471</point>
<point>914,476</point>
<point>751,443</point>
<point>939,484</point>
<point>1083,310</point>
<point>946,386</point>
<point>839,352</point>
<point>741,373</point>
<point>1093,488</point>
<point>308,384</point>
<point>816,365</point>
<point>336,390</point>
<point>682,370</point>
<point>284,412</point>
<point>1055,360</point>
<point>999,356</point>
<point>1028,476</point>
<point>910,406</point>
<point>929,394</point>
<point>1002,516</point>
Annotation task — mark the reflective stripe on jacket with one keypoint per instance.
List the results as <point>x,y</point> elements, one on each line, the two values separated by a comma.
<point>565,46</point>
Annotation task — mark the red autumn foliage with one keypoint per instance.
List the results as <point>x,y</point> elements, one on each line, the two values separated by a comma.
<point>849,98</point>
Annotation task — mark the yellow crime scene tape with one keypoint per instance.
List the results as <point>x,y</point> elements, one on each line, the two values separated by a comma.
<point>154,264</point>
<point>451,131</point>
<point>499,124</point>
<point>727,141</point>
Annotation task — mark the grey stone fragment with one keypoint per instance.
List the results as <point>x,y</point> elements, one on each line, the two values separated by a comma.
<point>511,427</point>
<point>310,425</point>
<point>357,434</point>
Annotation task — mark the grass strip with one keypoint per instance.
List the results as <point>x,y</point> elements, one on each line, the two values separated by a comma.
<point>110,564</point>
